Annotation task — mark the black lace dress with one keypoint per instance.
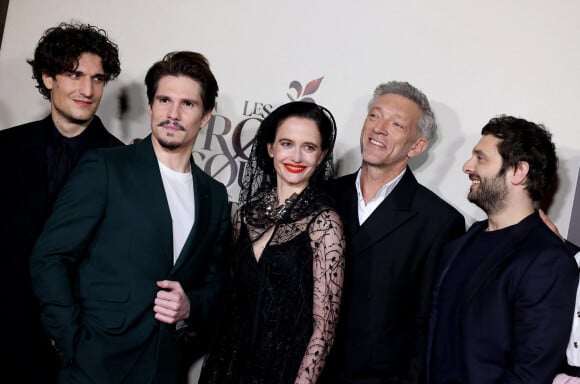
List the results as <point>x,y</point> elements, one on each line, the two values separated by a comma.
<point>281,309</point>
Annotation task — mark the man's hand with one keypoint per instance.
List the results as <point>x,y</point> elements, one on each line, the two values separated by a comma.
<point>171,303</point>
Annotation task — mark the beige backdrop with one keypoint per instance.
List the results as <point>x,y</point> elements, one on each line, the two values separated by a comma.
<point>474,61</point>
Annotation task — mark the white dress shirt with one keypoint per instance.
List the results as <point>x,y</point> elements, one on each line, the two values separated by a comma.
<point>179,191</point>
<point>365,210</point>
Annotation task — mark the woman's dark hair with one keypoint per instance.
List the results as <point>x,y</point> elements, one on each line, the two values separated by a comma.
<point>260,175</point>
<point>307,110</point>
<point>60,47</point>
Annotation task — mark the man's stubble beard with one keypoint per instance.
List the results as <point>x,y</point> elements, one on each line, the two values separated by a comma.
<point>491,196</point>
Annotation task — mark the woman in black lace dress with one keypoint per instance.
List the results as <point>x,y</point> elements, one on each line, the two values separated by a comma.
<point>282,301</point>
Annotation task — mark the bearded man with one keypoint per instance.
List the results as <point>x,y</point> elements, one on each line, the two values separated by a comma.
<point>505,294</point>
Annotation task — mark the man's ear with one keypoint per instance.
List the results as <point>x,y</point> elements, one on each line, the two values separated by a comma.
<point>520,173</point>
<point>205,118</point>
<point>419,147</point>
<point>47,80</point>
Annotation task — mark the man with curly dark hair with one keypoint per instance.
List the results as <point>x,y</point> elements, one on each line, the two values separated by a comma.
<point>71,65</point>
<point>504,298</point>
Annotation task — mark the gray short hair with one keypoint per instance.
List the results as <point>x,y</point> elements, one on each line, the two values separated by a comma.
<point>427,124</point>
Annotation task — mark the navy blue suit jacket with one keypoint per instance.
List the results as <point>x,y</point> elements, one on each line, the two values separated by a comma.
<point>516,311</point>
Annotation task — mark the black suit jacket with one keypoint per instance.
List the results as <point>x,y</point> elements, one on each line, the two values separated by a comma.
<point>24,207</point>
<point>104,247</point>
<point>391,265</point>
<point>516,312</point>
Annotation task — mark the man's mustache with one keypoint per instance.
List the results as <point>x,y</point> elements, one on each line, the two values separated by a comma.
<point>171,122</point>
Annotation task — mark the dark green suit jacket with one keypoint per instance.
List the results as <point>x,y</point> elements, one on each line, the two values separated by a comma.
<point>96,263</point>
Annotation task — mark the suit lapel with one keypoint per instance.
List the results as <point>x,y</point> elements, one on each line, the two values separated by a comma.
<point>454,249</point>
<point>393,212</point>
<point>504,250</point>
<point>202,201</point>
<point>501,252</point>
<point>34,172</point>
<point>150,186</point>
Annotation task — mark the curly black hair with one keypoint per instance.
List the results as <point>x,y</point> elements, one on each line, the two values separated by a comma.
<point>60,47</point>
<point>523,140</point>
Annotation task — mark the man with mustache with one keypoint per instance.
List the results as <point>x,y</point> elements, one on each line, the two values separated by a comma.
<point>72,63</point>
<point>504,298</point>
<point>130,260</point>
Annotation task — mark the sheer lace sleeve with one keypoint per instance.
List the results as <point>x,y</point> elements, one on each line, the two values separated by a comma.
<point>328,244</point>
<point>236,223</point>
